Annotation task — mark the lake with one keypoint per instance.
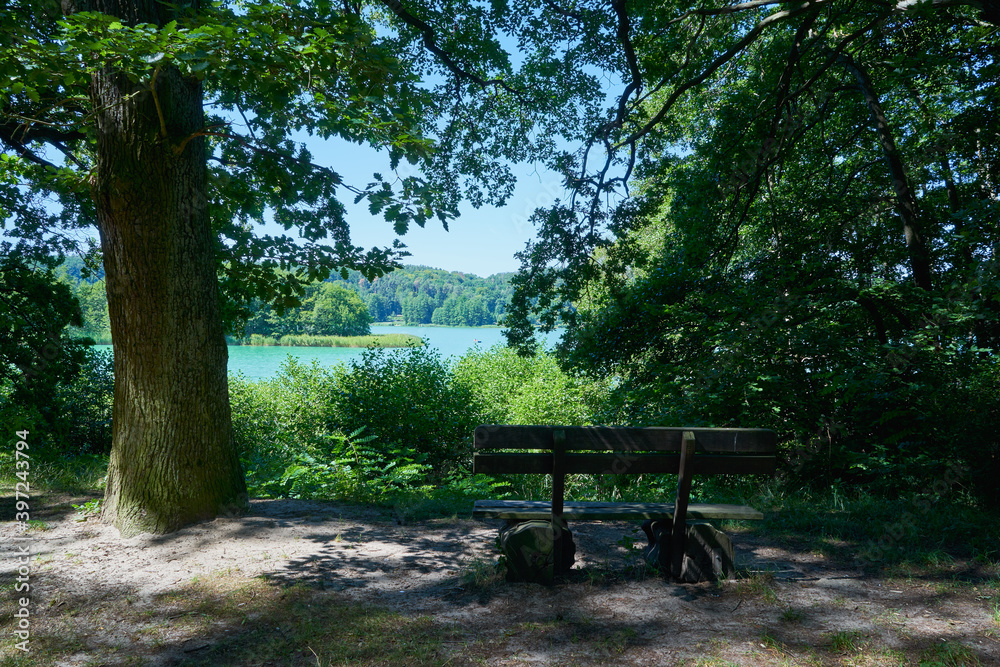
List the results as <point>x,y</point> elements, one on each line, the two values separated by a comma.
<point>257,362</point>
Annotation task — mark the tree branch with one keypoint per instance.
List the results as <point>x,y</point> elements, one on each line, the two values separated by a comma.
<point>635,85</point>
<point>8,137</point>
<point>906,202</point>
<point>730,9</point>
<point>44,132</point>
<point>430,42</point>
<point>748,39</point>
<point>563,12</point>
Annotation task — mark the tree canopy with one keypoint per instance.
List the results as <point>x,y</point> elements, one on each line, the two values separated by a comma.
<point>176,129</point>
<point>272,74</point>
<point>787,219</point>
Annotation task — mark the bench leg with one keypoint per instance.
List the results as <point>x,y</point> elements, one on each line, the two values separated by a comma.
<point>678,540</point>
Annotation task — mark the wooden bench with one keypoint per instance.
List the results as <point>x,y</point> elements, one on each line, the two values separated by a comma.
<point>559,451</point>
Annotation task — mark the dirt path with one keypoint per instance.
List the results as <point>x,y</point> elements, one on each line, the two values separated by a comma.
<point>787,608</point>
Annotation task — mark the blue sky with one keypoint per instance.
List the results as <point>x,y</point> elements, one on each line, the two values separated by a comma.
<point>480,241</point>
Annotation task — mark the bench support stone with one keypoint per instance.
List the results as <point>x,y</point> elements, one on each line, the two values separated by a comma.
<point>530,550</point>
<point>708,552</point>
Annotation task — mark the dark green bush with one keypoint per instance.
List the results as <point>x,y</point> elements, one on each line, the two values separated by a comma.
<point>73,416</point>
<point>86,405</point>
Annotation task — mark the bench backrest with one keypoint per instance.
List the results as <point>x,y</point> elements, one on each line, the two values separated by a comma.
<point>619,450</point>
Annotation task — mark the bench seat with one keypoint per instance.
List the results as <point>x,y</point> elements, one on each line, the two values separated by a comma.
<point>526,510</point>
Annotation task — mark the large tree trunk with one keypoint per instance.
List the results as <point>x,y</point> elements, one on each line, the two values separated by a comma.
<point>173,459</point>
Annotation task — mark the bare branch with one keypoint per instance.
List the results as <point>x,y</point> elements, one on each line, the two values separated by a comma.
<point>563,12</point>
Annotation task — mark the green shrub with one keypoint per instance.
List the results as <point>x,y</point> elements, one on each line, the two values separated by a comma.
<point>70,417</point>
<point>511,389</point>
<point>86,405</point>
<point>279,419</point>
<point>406,398</point>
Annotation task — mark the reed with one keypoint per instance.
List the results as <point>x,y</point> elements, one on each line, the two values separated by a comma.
<point>257,339</point>
<point>380,340</point>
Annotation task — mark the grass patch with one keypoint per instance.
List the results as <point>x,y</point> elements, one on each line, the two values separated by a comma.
<point>845,640</point>
<point>759,585</point>
<point>482,576</point>
<point>949,654</point>
<point>83,474</point>
<point>792,615</point>
<point>881,532</point>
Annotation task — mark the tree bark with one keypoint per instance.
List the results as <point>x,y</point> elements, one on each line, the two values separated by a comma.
<point>173,460</point>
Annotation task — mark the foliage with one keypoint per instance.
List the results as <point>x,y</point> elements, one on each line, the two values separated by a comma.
<point>352,468</point>
<point>422,295</point>
<point>74,418</point>
<point>35,353</point>
<point>511,389</point>
<point>792,226</point>
<point>322,70</point>
<point>142,121</point>
<point>410,418</point>
<point>91,508</point>
<point>85,405</point>
<point>51,384</point>
<point>287,410</point>
<point>406,398</point>
<point>415,294</point>
<point>328,309</point>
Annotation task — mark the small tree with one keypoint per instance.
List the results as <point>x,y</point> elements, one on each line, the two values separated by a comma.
<point>338,311</point>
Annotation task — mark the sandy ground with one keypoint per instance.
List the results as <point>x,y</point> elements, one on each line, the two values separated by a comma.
<point>788,607</point>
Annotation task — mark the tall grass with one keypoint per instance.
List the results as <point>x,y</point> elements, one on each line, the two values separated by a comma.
<point>376,340</point>
<point>259,340</point>
<point>305,340</point>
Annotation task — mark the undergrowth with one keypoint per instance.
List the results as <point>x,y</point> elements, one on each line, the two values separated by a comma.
<point>394,428</point>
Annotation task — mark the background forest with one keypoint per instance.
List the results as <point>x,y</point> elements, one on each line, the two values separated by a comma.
<point>336,307</point>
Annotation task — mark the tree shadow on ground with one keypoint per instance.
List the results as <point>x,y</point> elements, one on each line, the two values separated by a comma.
<point>366,590</point>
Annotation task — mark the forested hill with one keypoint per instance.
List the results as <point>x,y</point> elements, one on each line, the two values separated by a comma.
<point>422,295</point>
<point>412,294</point>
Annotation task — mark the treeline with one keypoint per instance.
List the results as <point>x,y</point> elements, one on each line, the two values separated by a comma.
<point>338,307</point>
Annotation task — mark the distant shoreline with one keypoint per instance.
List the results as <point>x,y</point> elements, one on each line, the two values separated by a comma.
<point>380,340</point>
<point>437,326</point>
<point>256,340</point>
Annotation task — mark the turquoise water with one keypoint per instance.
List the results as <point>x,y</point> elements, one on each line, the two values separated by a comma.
<point>263,362</point>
